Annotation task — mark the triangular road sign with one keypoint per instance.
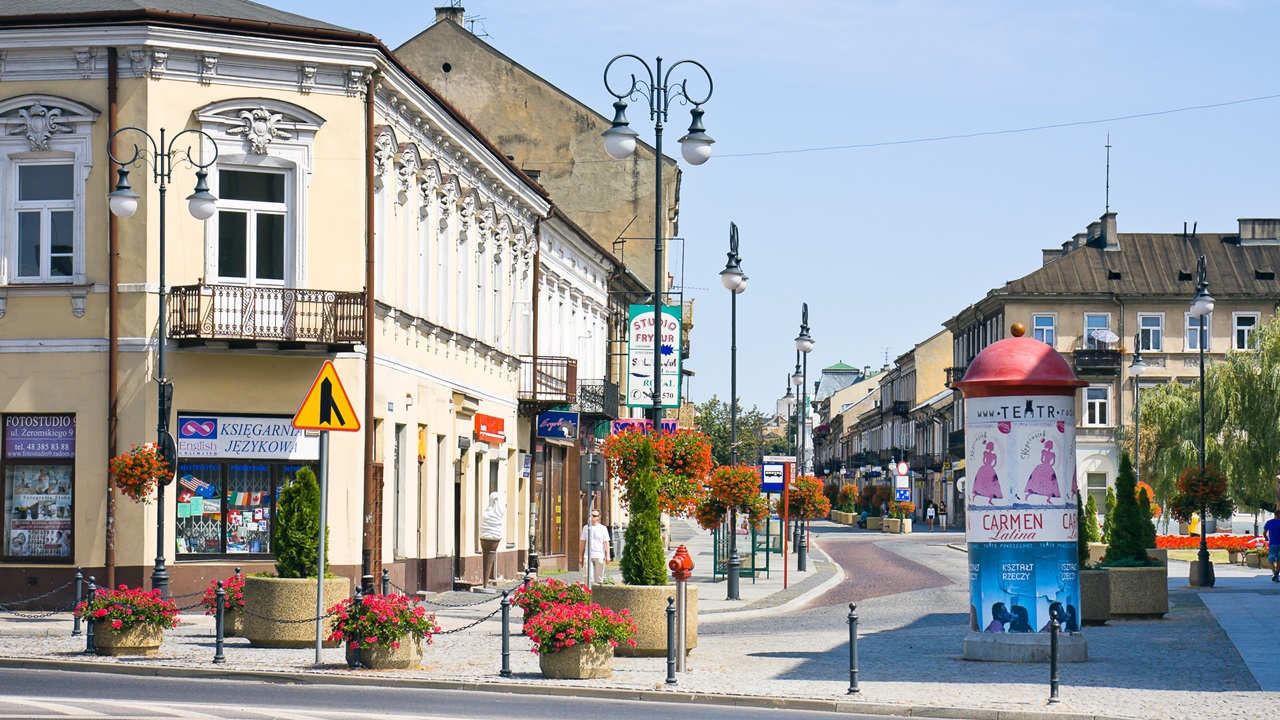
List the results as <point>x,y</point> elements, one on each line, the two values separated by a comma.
<point>327,406</point>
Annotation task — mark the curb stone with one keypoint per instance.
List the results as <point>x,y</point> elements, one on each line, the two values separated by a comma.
<point>843,706</point>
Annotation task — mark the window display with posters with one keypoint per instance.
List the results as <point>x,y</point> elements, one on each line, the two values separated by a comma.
<point>39,484</point>
<point>230,470</point>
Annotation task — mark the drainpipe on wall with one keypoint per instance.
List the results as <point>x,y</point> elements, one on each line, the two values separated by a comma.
<point>113,328</point>
<point>366,549</point>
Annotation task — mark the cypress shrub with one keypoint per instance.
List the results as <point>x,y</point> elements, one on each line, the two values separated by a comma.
<point>1149,528</point>
<point>1108,511</point>
<point>643,561</point>
<point>1128,538</point>
<point>1087,524</point>
<point>297,527</point>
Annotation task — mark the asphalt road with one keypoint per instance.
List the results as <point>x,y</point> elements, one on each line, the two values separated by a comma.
<point>56,694</point>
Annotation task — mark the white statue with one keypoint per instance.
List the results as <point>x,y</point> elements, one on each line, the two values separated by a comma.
<point>491,535</point>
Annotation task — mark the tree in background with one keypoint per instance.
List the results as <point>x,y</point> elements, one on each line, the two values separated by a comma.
<point>1128,533</point>
<point>1087,520</point>
<point>712,418</point>
<point>1108,513</point>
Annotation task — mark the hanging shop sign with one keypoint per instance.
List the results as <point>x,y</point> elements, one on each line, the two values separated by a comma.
<point>242,437</point>
<point>39,483</point>
<point>640,360</point>
<point>490,429</point>
<point>558,425</point>
<point>641,425</point>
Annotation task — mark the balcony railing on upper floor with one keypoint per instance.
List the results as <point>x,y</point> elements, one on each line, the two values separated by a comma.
<point>252,315</point>
<point>599,397</point>
<point>548,379</point>
<point>1096,361</point>
<point>955,374</point>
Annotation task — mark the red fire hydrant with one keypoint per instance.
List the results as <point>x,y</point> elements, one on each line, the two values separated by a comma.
<point>681,565</point>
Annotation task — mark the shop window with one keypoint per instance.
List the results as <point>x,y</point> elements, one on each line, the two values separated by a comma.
<point>39,487</point>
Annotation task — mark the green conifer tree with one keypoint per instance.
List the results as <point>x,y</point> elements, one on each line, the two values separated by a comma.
<point>1149,528</point>
<point>1108,512</point>
<point>643,561</point>
<point>296,530</point>
<point>1128,544</point>
<point>1088,530</point>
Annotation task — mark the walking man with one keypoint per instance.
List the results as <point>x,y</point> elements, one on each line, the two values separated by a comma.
<point>1272,532</point>
<point>595,549</point>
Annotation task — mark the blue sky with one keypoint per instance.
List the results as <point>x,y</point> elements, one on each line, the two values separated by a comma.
<point>887,242</point>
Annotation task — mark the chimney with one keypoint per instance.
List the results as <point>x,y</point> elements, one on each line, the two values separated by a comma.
<point>1110,240</point>
<point>1259,231</point>
<point>1048,255</point>
<point>1079,240</point>
<point>452,14</point>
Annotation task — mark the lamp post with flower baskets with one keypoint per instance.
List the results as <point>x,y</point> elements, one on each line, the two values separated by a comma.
<point>735,281</point>
<point>123,202</point>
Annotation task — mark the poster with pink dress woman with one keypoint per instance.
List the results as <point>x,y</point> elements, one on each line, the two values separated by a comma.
<point>1044,479</point>
<point>986,482</point>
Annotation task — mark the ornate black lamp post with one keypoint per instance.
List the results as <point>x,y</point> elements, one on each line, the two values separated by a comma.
<point>804,343</point>
<point>123,202</point>
<point>620,142</point>
<point>1201,307</point>
<point>1136,368</point>
<point>735,281</point>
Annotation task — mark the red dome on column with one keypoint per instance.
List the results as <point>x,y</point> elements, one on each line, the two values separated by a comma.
<point>1019,366</point>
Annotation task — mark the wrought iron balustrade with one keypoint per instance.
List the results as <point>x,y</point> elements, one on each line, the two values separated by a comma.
<point>548,379</point>
<point>266,314</point>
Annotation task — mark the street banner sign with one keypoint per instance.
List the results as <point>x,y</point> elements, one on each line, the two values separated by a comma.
<point>640,360</point>
<point>326,406</point>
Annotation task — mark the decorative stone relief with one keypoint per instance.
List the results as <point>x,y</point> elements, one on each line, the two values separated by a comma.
<point>39,124</point>
<point>407,166</point>
<point>260,126</point>
<point>208,66</point>
<point>138,61</point>
<point>159,61</point>
<point>357,79</point>
<point>77,304</point>
<point>384,152</point>
<point>306,77</point>
<point>466,215</point>
<point>84,61</point>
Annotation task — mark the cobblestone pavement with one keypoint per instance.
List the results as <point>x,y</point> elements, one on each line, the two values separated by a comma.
<point>912,601</point>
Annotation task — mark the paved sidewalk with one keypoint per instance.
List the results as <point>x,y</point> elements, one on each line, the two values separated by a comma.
<point>773,649</point>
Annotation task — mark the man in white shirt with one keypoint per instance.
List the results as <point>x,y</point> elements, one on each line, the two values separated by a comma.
<point>595,549</point>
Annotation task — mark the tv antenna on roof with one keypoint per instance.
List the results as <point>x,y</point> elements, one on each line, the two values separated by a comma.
<point>1108,196</point>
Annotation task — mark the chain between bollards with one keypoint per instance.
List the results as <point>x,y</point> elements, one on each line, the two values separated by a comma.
<point>75,623</point>
<point>219,620</point>
<point>506,634</point>
<point>1054,627</point>
<point>671,640</point>
<point>853,650</point>
<point>386,582</point>
<point>88,596</point>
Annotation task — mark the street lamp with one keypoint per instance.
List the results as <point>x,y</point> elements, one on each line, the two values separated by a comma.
<point>804,343</point>
<point>123,202</point>
<point>1201,306</point>
<point>620,142</point>
<point>1136,368</point>
<point>735,281</point>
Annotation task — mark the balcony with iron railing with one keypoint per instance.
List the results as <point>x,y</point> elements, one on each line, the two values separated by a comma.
<point>955,374</point>
<point>599,398</point>
<point>955,443</point>
<point>548,380</point>
<point>1097,361</point>
<point>243,316</point>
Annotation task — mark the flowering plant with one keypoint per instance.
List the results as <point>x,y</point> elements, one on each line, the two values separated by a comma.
<point>1198,489</point>
<point>901,509</point>
<point>138,471</point>
<point>736,488</point>
<point>381,620</point>
<point>1236,543</point>
<point>539,593</point>
<point>805,500</point>
<point>232,601</point>
<point>125,608</point>
<point>882,495</point>
<point>683,462</point>
<point>559,627</point>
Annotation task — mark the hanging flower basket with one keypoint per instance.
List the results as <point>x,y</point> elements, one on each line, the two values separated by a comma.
<point>139,471</point>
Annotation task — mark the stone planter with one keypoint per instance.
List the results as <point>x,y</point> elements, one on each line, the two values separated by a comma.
<point>875,523</point>
<point>1141,592</point>
<point>232,623</point>
<point>1193,577</point>
<point>383,657</point>
<point>288,599</point>
<point>1235,557</point>
<point>1097,551</point>
<point>648,607</point>
<point>906,525</point>
<point>1095,597</point>
<point>891,525</point>
<point>137,640</point>
<point>1253,560</point>
<point>579,662</point>
<point>1159,554</point>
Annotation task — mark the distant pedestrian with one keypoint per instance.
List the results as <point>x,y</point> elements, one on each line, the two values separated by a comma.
<point>930,514</point>
<point>1272,532</point>
<point>595,549</point>
<point>942,516</point>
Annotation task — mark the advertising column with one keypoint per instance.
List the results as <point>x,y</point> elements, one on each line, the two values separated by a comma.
<point>1021,500</point>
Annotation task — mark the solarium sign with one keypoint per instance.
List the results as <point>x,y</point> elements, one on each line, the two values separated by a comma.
<point>640,341</point>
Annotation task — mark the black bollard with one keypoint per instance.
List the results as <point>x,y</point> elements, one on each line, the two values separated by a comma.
<point>671,641</point>
<point>355,653</point>
<point>237,571</point>
<point>75,623</point>
<point>88,596</point>
<point>853,650</point>
<point>802,558</point>
<point>386,582</point>
<point>1053,656</point>
<point>506,634</point>
<point>219,617</point>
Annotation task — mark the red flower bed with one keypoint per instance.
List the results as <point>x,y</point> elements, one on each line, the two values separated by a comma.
<point>1238,543</point>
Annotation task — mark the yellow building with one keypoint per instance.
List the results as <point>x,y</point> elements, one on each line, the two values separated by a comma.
<point>360,219</point>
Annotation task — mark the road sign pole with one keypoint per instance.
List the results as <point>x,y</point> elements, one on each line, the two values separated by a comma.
<point>324,507</point>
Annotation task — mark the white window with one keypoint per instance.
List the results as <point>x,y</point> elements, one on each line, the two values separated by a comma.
<point>1097,406</point>
<point>251,226</point>
<point>1096,482</point>
<point>46,215</point>
<point>1245,336</point>
<point>1044,328</point>
<point>1097,328</point>
<point>1193,332</point>
<point>1151,332</point>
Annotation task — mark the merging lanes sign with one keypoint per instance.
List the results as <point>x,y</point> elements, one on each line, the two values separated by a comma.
<point>326,406</point>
